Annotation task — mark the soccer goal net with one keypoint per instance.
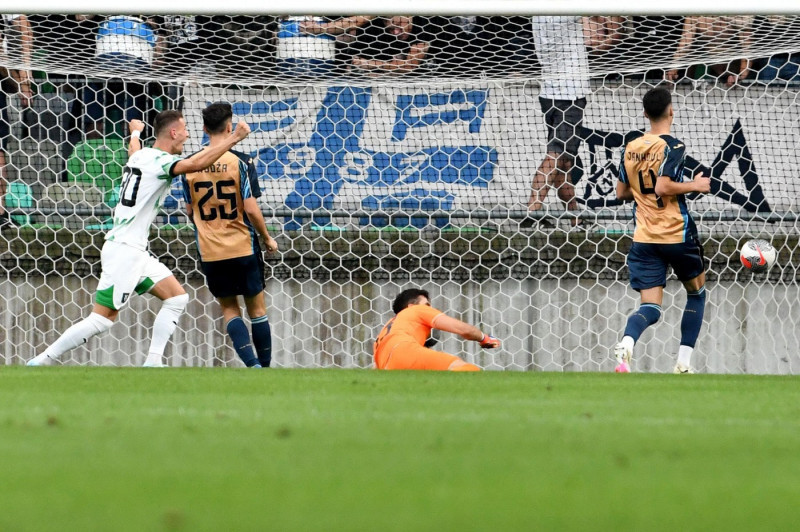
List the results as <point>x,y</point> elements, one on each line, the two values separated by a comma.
<point>475,157</point>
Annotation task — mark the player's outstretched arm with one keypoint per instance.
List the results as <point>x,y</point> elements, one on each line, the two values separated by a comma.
<point>444,322</point>
<point>209,155</point>
<point>135,143</point>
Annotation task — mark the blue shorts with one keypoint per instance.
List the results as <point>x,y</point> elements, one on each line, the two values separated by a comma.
<point>242,276</point>
<point>648,263</point>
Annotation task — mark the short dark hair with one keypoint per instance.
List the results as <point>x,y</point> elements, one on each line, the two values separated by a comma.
<point>406,297</point>
<point>656,101</point>
<point>216,116</point>
<point>164,119</point>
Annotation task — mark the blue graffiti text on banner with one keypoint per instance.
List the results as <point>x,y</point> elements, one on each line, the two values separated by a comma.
<point>467,106</point>
<point>267,109</point>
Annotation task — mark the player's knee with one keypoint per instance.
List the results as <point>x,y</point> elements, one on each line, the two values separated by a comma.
<point>697,295</point>
<point>650,313</point>
<point>177,303</point>
<point>460,365</point>
<point>100,323</point>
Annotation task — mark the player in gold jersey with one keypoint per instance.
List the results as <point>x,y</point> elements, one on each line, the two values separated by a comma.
<point>651,175</point>
<point>221,202</point>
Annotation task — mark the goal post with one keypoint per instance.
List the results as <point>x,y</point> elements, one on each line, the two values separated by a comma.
<point>398,151</point>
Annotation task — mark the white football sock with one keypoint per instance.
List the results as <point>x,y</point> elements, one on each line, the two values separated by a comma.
<point>685,356</point>
<point>164,326</point>
<point>77,335</point>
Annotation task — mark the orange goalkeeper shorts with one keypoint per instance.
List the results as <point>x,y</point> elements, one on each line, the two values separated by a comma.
<point>410,355</point>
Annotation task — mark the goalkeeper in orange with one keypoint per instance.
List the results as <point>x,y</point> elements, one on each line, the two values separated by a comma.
<point>403,342</point>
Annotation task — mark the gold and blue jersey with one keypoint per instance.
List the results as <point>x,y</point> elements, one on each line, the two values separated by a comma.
<point>659,220</point>
<point>217,196</point>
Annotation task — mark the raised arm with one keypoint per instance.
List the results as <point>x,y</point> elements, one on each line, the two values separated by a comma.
<point>684,45</point>
<point>209,155</point>
<point>400,64</point>
<point>23,76</point>
<point>135,143</point>
<point>334,27</point>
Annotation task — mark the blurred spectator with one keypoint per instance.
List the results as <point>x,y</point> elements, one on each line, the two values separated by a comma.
<point>308,45</point>
<point>716,35</point>
<point>503,44</point>
<point>393,45</point>
<point>190,47</point>
<point>247,43</point>
<point>561,49</point>
<point>602,34</point>
<point>124,45</point>
<point>652,41</point>
<point>13,81</point>
<point>778,67</point>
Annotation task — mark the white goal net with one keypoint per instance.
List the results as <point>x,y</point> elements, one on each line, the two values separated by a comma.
<point>475,157</point>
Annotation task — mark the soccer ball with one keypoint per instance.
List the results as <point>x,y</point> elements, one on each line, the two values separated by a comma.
<point>758,255</point>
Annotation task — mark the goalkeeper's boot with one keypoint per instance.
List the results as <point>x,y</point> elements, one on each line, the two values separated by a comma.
<point>681,369</point>
<point>41,360</point>
<point>622,355</point>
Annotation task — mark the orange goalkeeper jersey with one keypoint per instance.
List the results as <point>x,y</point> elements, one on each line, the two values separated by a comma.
<point>413,323</point>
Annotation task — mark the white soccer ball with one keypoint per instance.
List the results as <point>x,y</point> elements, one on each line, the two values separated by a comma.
<point>758,255</point>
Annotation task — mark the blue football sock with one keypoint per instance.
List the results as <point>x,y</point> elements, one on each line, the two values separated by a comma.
<point>237,330</point>
<point>644,317</point>
<point>692,318</point>
<point>262,338</point>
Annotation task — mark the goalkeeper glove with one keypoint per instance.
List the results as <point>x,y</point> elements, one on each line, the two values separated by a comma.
<point>488,341</point>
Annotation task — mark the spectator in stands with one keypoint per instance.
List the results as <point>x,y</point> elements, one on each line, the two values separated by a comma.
<point>393,45</point>
<point>709,35</point>
<point>190,48</point>
<point>125,45</point>
<point>314,45</point>
<point>602,34</point>
<point>561,49</point>
<point>13,81</point>
<point>781,67</point>
<point>247,43</point>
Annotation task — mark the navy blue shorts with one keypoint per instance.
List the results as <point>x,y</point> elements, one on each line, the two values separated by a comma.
<point>242,276</point>
<point>648,263</point>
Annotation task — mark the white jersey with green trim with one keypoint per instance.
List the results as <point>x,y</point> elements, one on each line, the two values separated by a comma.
<point>145,181</point>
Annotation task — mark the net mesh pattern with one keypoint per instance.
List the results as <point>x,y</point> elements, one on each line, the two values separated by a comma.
<point>475,157</point>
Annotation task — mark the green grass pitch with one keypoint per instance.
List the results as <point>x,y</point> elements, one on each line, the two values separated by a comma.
<point>235,449</point>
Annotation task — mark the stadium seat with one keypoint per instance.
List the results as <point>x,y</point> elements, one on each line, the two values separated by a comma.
<point>19,196</point>
<point>98,162</point>
<point>73,196</point>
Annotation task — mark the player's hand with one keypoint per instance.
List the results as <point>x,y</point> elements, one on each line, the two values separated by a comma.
<point>135,125</point>
<point>242,129</point>
<point>270,245</point>
<point>702,183</point>
<point>489,342</point>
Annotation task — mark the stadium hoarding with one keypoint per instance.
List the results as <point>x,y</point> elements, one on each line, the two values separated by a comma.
<point>467,147</point>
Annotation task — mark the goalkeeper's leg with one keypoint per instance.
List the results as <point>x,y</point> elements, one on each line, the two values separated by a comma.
<point>408,355</point>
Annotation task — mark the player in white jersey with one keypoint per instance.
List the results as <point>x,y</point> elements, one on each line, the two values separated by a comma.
<point>127,266</point>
